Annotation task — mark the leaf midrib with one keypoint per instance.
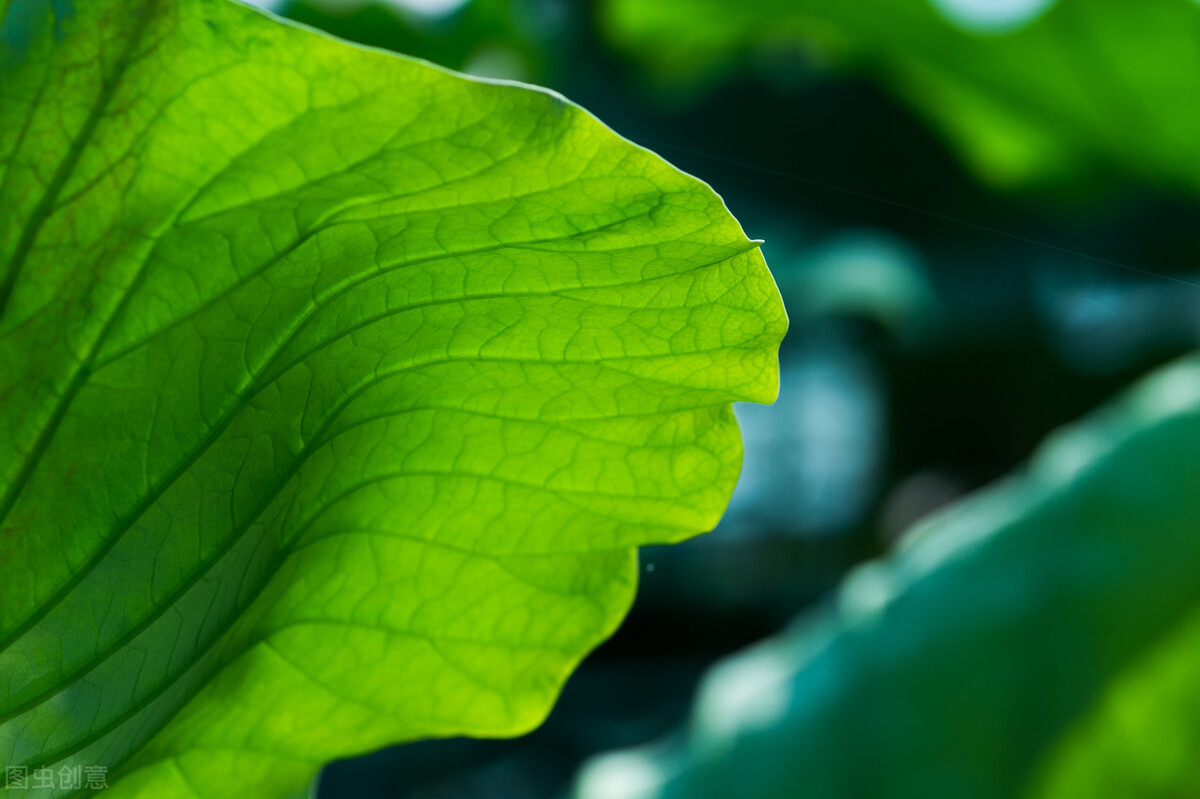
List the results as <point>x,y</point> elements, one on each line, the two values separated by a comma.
<point>38,218</point>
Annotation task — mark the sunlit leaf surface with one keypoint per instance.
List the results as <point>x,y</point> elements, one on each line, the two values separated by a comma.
<point>336,392</point>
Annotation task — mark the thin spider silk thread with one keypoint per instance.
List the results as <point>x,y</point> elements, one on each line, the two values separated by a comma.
<point>923,211</point>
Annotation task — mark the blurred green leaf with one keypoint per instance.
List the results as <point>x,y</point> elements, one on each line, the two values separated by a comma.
<point>337,392</point>
<point>466,38</point>
<point>1086,84</point>
<point>1040,639</point>
<point>1141,740</point>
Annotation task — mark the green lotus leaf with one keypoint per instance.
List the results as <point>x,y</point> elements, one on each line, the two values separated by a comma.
<point>1032,93</point>
<point>336,393</point>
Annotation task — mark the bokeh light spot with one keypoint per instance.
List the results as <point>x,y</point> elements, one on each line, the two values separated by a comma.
<point>991,16</point>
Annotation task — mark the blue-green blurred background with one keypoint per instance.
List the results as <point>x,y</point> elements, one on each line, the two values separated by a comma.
<point>945,312</point>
